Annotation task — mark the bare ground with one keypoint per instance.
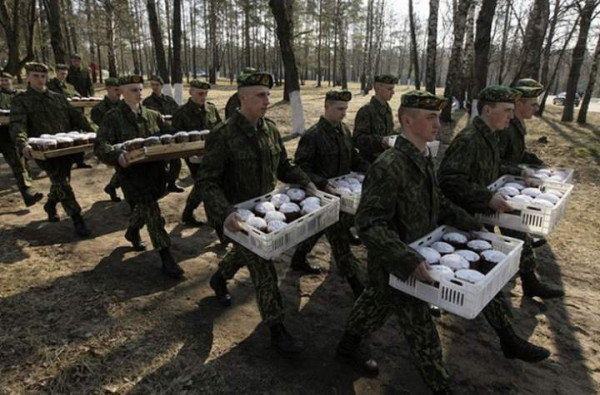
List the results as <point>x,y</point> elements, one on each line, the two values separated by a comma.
<point>93,316</point>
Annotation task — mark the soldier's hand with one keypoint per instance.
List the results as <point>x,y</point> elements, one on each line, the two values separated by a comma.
<point>27,152</point>
<point>499,203</point>
<point>330,189</point>
<point>528,174</point>
<point>232,222</point>
<point>421,272</point>
<point>311,188</point>
<point>385,143</point>
<point>123,162</point>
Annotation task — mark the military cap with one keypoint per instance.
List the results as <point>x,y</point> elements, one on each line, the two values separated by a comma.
<point>61,66</point>
<point>386,79</point>
<point>423,100</point>
<point>499,94</point>
<point>529,87</point>
<point>336,95</point>
<point>36,66</point>
<point>75,55</point>
<point>111,81</point>
<point>4,74</point>
<point>199,84</point>
<point>157,78</point>
<point>254,79</point>
<point>249,70</point>
<point>131,79</point>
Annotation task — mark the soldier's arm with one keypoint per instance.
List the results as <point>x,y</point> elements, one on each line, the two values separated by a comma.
<point>363,137</point>
<point>217,116</point>
<point>18,123</point>
<point>89,83</point>
<point>506,148</point>
<point>532,159</point>
<point>306,157</point>
<point>178,121</point>
<point>106,137</point>
<point>451,214</point>
<point>373,218</point>
<point>77,119</point>
<point>287,171</point>
<point>96,114</point>
<point>358,163</point>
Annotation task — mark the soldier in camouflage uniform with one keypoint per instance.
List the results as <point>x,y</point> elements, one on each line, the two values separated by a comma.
<point>470,164</point>
<point>110,101</point>
<point>8,149</point>
<point>143,184</point>
<point>79,77</point>
<point>400,203</point>
<point>39,111</point>
<point>165,105</point>
<point>325,151</point>
<point>234,101</point>
<point>244,158</point>
<point>374,120</point>
<point>196,114</point>
<point>513,153</point>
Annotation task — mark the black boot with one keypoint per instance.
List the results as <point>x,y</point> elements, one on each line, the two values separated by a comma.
<point>83,165</point>
<point>30,197</point>
<point>536,243</point>
<point>50,209</point>
<point>514,347</point>
<point>112,192</point>
<point>133,236</point>
<point>80,227</point>
<point>351,351</point>
<point>219,284</point>
<point>188,218</point>
<point>356,285</point>
<point>533,287</point>
<point>169,266</point>
<point>283,341</point>
<point>299,263</point>
<point>173,187</point>
<point>354,239</point>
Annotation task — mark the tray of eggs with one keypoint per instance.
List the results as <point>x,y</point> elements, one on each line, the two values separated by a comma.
<point>549,174</point>
<point>275,222</point>
<point>349,189</point>
<point>60,144</point>
<point>164,147</point>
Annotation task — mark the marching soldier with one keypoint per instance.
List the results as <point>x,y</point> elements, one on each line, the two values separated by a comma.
<point>234,101</point>
<point>374,120</point>
<point>143,184</point>
<point>110,101</point>
<point>165,105</point>
<point>196,114</point>
<point>325,151</point>
<point>39,111</point>
<point>8,148</point>
<point>79,77</point>
<point>244,158</point>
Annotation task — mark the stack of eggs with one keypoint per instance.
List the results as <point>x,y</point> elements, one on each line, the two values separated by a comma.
<point>49,142</point>
<point>541,196</point>
<point>550,175</point>
<point>348,184</point>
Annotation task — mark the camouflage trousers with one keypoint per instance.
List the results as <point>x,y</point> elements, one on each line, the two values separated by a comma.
<point>115,182</point>
<point>528,261</point>
<point>194,167</point>
<point>264,278</point>
<point>59,172</point>
<point>174,170</point>
<point>339,240</point>
<point>17,163</point>
<point>372,309</point>
<point>148,213</point>
<point>498,312</point>
<point>194,198</point>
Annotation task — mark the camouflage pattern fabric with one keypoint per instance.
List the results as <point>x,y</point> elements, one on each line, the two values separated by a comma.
<point>255,79</point>
<point>423,100</point>
<point>499,94</point>
<point>148,213</point>
<point>6,97</point>
<point>114,181</point>
<point>164,104</point>
<point>17,163</point>
<point>59,173</point>
<point>386,79</point>
<point>80,78</point>
<point>373,121</point>
<point>512,148</point>
<point>99,110</point>
<point>529,87</point>
<point>64,88</point>
<point>528,261</point>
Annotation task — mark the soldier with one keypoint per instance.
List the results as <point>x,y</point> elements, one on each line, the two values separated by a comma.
<point>196,114</point>
<point>143,184</point>
<point>244,158</point>
<point>234,101</point>
<point>512,153</point>
<point>374,120</point>
<point>325,151</point>
<point>165,105</point>
<point>79,77</point>
<point>110,101</point>
<point>9,150</point>
<point>39,111</point>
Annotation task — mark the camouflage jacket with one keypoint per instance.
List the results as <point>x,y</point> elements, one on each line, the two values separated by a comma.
<point>164,104</point>
<point>99,110</point>
<point>512,147</point>
<point>470,164</point>
<point>326,151</point>
<point>6,97</point>
<point>373,121</point>
<point>35,113</point>
<point>232,104</point>
<point>140,182</point>
<point>80,78</point>
<point>242,162</point>
<point>191,116</point>
<point>400,203</point>
<point>64,88</point>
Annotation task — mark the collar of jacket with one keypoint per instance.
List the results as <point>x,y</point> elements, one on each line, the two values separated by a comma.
<point>519,125</point>
<point>242,123</point>
<point>381,107</point>
<point>38,94</point>
<point>110,102</point>
<point>129,114</point>
<point>195,106</point>
<point>329,126</point>
<point>410,150</point>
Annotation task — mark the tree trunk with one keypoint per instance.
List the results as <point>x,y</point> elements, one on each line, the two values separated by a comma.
<point>11,26</point>
<point>319,24</point>
<point>582,116</point>
<point>194,42</point>
<point>482,49</point>
<point>283,12</point>
<point>533,41</point>
<point>176,71</point>
<point>247,55</point>
<point>577,59</point>
<point>343,44</point>
<point>462,91</point>
<point>159,49</point>
<point>110,38</point>
<point>413,43</point>
<point>169,41</point>
<point>212,29</point>
<point>548,47</point>
<point>505,32</point>
<point>431,45</point>
<point>53,14</point>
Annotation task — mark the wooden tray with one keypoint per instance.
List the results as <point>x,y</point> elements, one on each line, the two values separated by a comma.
<point>165,152</point>
<point>84,104</point>
<point>43,155</point>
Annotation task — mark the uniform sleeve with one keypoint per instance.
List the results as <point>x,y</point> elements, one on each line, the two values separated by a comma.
<point>506,148</point>
<point>532,159</point>
<point>358,163</point>
<point>18,123</point>
<point>178,121</point>
<point>305,158</point>
<point>451,214</point>
<point>287,171</point>
<point>77,119</point>
<point>373,218</point>
<point>219,120</point>
<point>97,114</point>
<point>368,144</point>
<point>106,137</point>
<point>455,181</point>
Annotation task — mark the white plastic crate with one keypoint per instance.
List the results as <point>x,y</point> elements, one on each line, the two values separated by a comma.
<point>461,297</point>
<point>434,146</point>
<point>532,219</point>
<point>567,171</point>
<point>270,245</point>
<point>348,201</point>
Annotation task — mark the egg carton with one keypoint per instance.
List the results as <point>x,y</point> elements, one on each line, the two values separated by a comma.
<point>568,172</point>
<point>348,200</point>
<point>434,146</point>
<point>458,296</point>
<point>526,217</point>
<point>270,245</point>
